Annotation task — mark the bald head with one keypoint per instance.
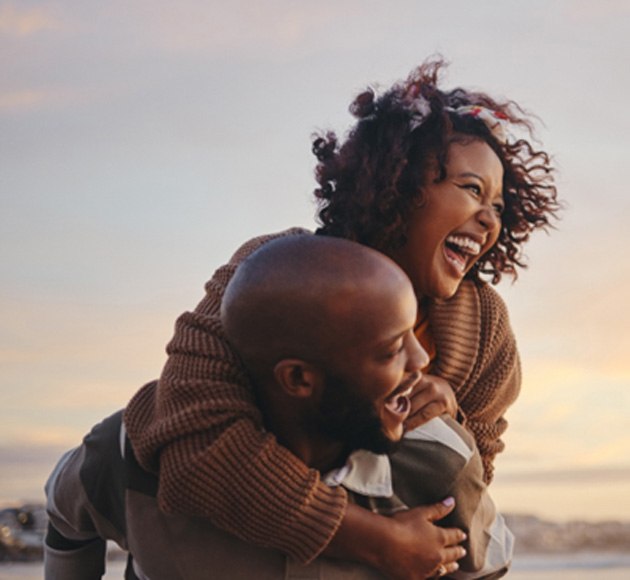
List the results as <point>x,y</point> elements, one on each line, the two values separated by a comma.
<point>305,297</point>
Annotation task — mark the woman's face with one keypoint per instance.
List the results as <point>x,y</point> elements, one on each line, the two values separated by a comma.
<point>457,221</point>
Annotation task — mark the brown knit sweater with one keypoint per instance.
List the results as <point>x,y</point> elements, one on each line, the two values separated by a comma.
<point>200,428</point>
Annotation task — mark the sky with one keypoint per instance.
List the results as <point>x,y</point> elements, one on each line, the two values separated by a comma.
<point>142,142</point>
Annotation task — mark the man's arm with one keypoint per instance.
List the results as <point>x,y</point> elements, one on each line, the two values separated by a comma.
<point>66,559</point>
<point>84,501</point>
<point>73,549</point>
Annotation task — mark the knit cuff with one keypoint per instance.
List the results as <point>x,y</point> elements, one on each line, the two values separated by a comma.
<point>321,520</point>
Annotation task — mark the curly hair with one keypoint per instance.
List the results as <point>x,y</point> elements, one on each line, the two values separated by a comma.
<point>369,184</point>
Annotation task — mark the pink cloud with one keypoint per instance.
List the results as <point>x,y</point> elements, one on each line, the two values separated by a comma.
<point>19,21</point>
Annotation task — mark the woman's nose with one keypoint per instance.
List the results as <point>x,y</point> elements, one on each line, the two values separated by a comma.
<point>489,218</point>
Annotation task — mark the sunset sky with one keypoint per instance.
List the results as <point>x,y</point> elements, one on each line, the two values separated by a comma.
<point>141,142</point>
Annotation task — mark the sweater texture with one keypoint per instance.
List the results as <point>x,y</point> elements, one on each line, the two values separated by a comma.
<point>199,426</point>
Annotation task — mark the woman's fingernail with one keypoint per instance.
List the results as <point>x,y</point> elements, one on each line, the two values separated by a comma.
<point>449,501</point>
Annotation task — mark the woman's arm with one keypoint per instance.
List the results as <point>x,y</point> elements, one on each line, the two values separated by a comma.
<point>202,431</point>
<point>495,381</point>
<point>478,357</point>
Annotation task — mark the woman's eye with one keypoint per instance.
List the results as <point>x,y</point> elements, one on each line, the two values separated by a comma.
<point>499,208</point>
<point>473,188</point>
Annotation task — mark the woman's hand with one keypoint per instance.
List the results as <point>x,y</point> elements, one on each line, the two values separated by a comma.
<point>432,551</point>
<point>406,546</point>
<point>431,397</point>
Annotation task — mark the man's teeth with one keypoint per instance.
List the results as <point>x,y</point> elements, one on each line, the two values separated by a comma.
<point>403,403</point>
<point>407,392</point>
<point>399,401</point>
<point>465,244</point>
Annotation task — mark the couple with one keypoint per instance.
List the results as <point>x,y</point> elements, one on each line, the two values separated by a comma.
<point>324,328</point>
<point>431,179</point>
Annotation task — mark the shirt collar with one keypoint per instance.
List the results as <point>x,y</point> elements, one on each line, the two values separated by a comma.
<point>364,473</point>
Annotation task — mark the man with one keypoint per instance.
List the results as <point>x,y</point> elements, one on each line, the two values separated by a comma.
<point>324,328</point>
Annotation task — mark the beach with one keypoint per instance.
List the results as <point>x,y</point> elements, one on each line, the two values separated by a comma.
<point>546,550</point>
<point>580,566</point>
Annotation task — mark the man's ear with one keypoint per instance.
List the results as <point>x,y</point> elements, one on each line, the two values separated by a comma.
<point>298,378</point>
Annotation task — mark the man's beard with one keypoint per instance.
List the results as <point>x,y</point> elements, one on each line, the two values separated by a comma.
<point>351,419</point>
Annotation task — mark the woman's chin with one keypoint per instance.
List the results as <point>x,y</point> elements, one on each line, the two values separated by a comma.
<point>444,290</point>
<point>440,284</point>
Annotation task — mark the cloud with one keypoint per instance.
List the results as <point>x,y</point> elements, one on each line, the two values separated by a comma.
<point>565,495</point>
<point>567,416</point>
<point>211,28</point>
<point>20,21</point>
<point>21,99</point>
<point>37,443</point>
<point>607,453</point>
<point>56,426</point>
<point>584,11</point>
<point>581,475</point>
<point>72,395</point>
<point>580,305</point>
<point>241,26</point>
<point>30,99</point>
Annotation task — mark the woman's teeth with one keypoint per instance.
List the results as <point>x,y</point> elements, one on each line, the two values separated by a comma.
<point>457,250</point>
<point>464,244</point>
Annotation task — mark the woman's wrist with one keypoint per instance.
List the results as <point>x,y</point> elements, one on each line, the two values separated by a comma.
<point>362,536</point>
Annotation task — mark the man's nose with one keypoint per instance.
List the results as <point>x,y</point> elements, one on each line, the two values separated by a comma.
<point>417,358</point>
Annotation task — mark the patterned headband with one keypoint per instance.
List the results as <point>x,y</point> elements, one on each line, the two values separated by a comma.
<point>496,121</point>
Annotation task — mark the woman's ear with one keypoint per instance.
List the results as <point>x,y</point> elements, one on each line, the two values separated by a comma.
<point>298,378</point>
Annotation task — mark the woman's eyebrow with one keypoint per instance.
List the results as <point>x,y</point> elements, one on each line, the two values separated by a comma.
<point>471,174</point>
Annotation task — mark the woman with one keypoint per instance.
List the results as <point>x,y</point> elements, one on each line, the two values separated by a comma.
<point>431,179</point>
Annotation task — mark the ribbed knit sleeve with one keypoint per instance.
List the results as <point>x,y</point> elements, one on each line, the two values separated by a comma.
<point>477,354</point>
<point>200,428</point>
